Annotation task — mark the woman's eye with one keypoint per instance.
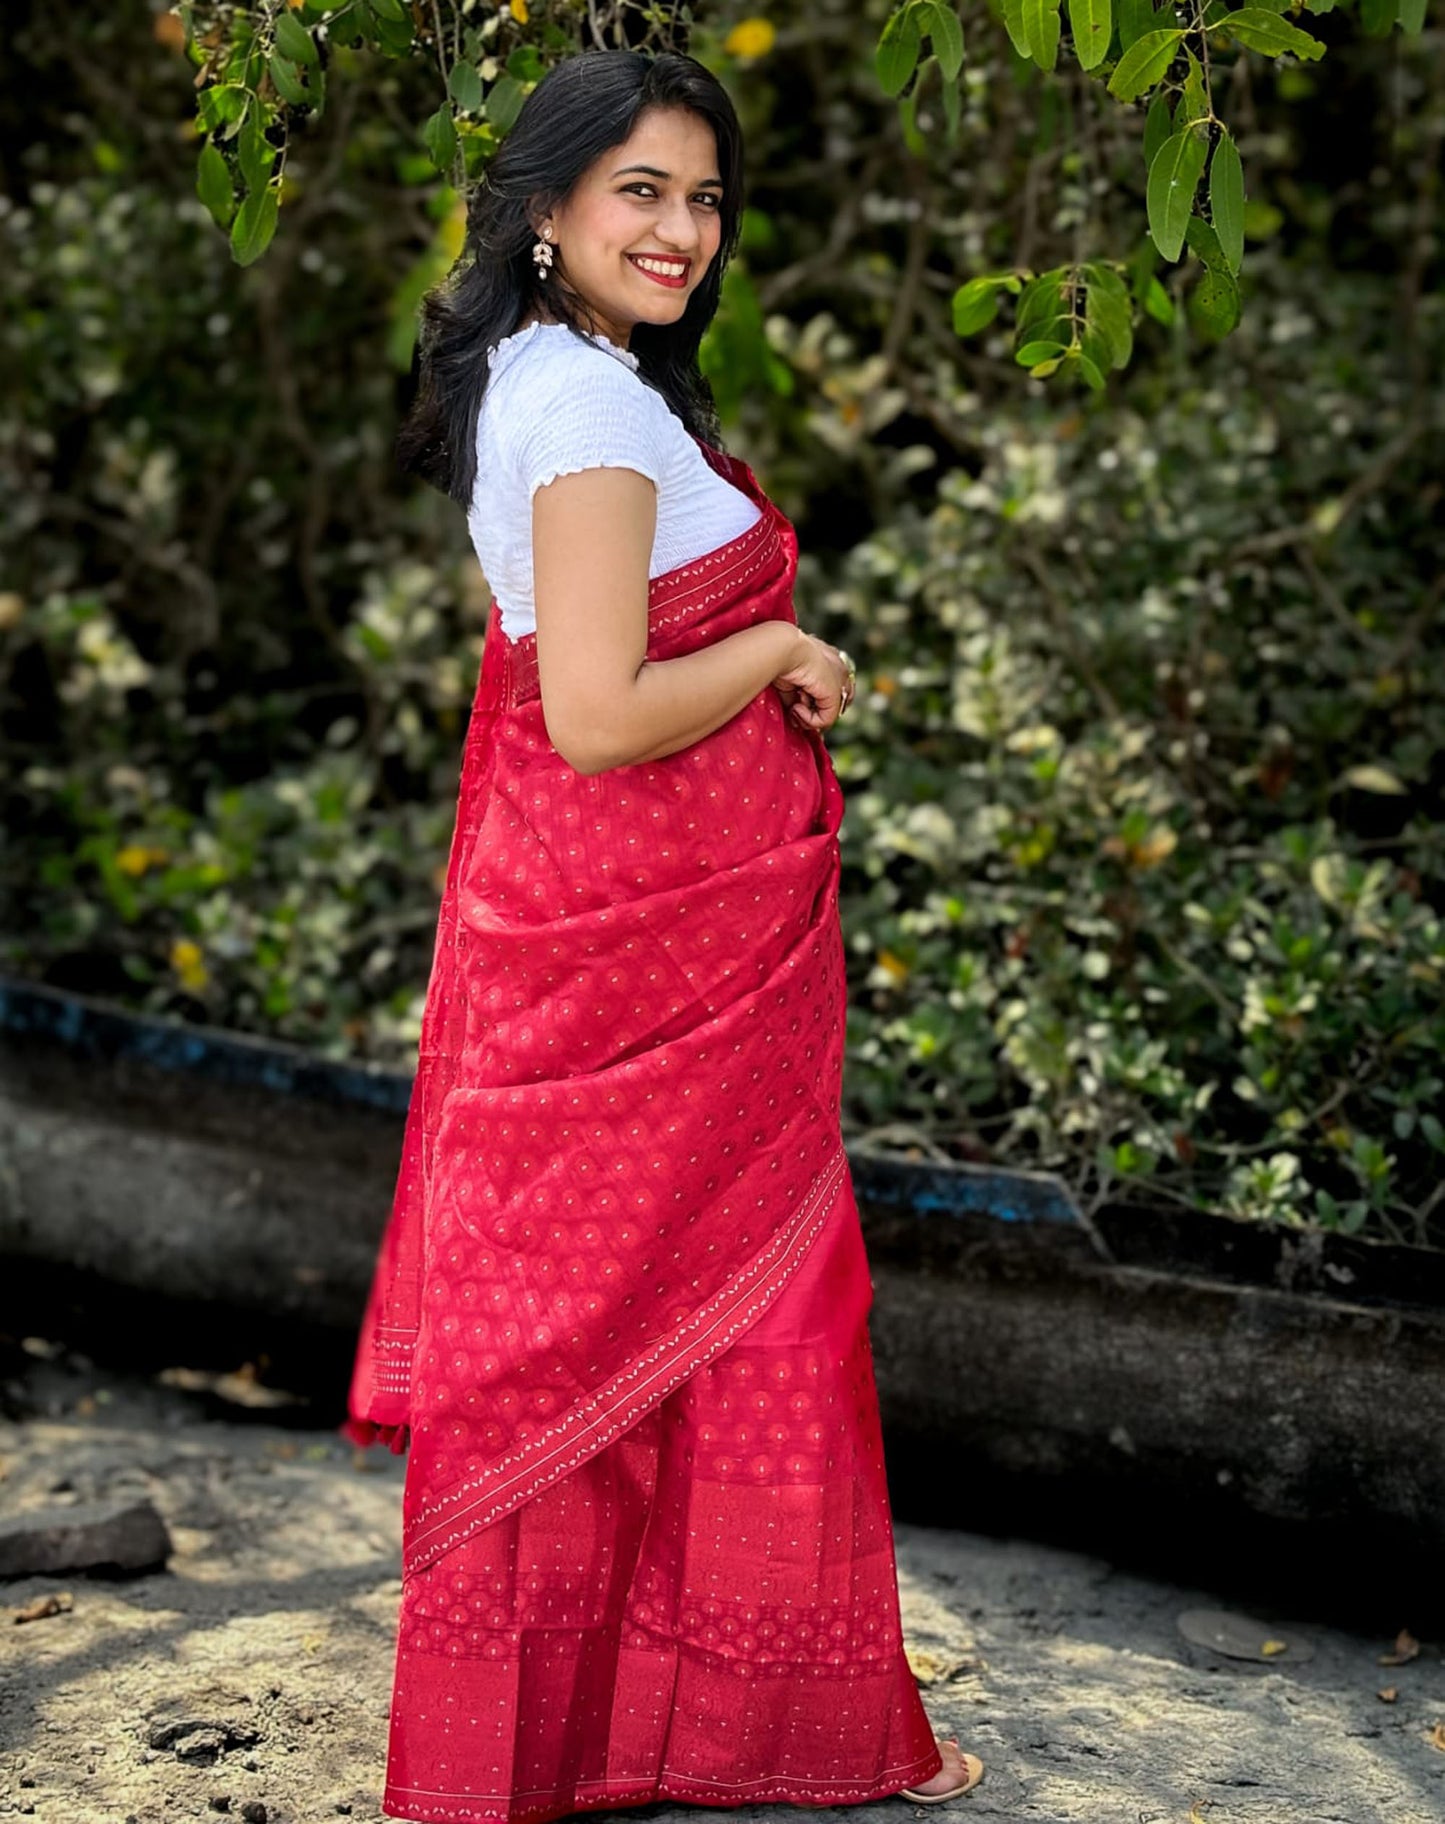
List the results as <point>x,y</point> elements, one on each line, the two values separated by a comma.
<point>707,196</point>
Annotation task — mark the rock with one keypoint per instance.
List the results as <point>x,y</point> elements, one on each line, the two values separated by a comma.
<point>254,1812</point>
<point>199,1730</point>
<point>201,1746</point>
<point>118,1535</point>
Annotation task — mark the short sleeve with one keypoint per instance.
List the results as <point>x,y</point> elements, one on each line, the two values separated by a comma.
<point>587,411</point>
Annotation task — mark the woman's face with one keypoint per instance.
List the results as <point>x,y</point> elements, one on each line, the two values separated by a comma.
<point>654,198</point>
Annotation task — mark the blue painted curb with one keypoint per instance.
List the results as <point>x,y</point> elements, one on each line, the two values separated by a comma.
<point>103,1033</point>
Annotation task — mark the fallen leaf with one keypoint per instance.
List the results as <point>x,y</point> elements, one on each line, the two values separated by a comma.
<point>1389,1694</point>
<point>932,1668</point>
<point>1270,1647</point>
<point>1436,1737</point>
<point>925,1667</point>
<point>1406,1649</point>
<point>58,1602</point>
<point>1198,1809</point>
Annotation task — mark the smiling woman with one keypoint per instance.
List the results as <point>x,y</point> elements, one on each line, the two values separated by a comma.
<point>619,1318</point>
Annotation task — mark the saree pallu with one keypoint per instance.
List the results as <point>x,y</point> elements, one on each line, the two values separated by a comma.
<point>618,1320</point>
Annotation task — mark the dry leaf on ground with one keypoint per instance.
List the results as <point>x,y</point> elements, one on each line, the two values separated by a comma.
<point>57,1602</point>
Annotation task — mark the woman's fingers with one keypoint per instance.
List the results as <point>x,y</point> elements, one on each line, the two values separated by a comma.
<point>816,690</point>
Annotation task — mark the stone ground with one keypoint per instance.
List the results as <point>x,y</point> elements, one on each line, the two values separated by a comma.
<point>274,1624</point>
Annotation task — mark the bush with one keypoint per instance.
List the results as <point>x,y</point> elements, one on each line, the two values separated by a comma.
<point>1144,846</point>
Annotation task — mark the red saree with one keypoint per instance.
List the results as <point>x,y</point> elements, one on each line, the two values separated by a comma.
<point>619,1316</point>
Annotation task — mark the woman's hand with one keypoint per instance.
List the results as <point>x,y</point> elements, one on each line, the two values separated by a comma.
<point>816,687</point>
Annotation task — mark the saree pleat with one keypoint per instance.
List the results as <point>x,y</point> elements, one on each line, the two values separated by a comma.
<point>618,1320</point>
<point>704,1612</point>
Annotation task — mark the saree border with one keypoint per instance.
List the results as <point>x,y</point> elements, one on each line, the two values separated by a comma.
<point>630,1394</point>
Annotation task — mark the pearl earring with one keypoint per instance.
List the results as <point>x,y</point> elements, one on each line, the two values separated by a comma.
<point>542,253</point>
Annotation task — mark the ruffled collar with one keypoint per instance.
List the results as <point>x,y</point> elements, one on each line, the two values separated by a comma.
<point>520,335</point>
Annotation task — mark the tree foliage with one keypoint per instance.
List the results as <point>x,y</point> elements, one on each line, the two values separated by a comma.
<point>262,64</point>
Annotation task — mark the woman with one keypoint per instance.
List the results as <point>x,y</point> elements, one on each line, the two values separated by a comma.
<point>619,1315</point>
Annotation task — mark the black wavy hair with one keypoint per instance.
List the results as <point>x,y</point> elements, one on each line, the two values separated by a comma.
<point>583,107</point>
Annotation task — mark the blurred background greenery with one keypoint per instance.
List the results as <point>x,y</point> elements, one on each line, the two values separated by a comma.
<point>1143,850</point>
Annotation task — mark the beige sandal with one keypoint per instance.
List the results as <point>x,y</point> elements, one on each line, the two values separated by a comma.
<point>973,1769</point>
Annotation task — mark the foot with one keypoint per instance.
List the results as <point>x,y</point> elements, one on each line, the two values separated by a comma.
<point>959,1772</point>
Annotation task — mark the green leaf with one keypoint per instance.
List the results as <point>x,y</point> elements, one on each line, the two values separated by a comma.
<point>1041,303</point>
<point>1204,244</point>
<point>293,40</point>
<point>213,185</point>
<point>1107,316</point>
<point>952,110</point>
<point>1143,64</point>
<point>1214,303</point>
<point>1158,125</point>
<point>947,35</point>
<point>897,55</point>
<point>1259,30</point>
<point>1013,20</point>
<point>1193,102</point>
<point>1042,28</point>
<point>525,63</point>
<point>1106,278</point>
<point>222,107</point>
<point>504,102</point>
<point>440,137</point>
<point>465,87</point>
<point>1044,368</point>
<point>1157,302</point>
<point>1091,373</point>
<point>1033,352</point>
<point>1135,17</point>
<point>1412,16</point>
<point>975,305</point>
<point>1226,199</point>
<point>286,78</point>
<point>385,23</point>
<point>254,226</point>
<point>1092,23</point>
<point>1173,179</point>
<point>255,154</point>
<point>1377,17</point>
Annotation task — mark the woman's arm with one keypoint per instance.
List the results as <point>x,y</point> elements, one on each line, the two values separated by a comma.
<point>604,703</point>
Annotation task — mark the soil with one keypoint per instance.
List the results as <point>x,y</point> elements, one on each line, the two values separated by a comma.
<point>251,1677</point>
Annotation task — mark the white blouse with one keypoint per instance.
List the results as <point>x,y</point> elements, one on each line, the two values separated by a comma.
<point>554,405</point>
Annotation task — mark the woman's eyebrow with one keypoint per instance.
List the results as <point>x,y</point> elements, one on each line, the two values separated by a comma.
<point>703,183</point>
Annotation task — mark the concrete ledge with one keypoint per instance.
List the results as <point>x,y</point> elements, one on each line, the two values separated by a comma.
<point>173,1188</point>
